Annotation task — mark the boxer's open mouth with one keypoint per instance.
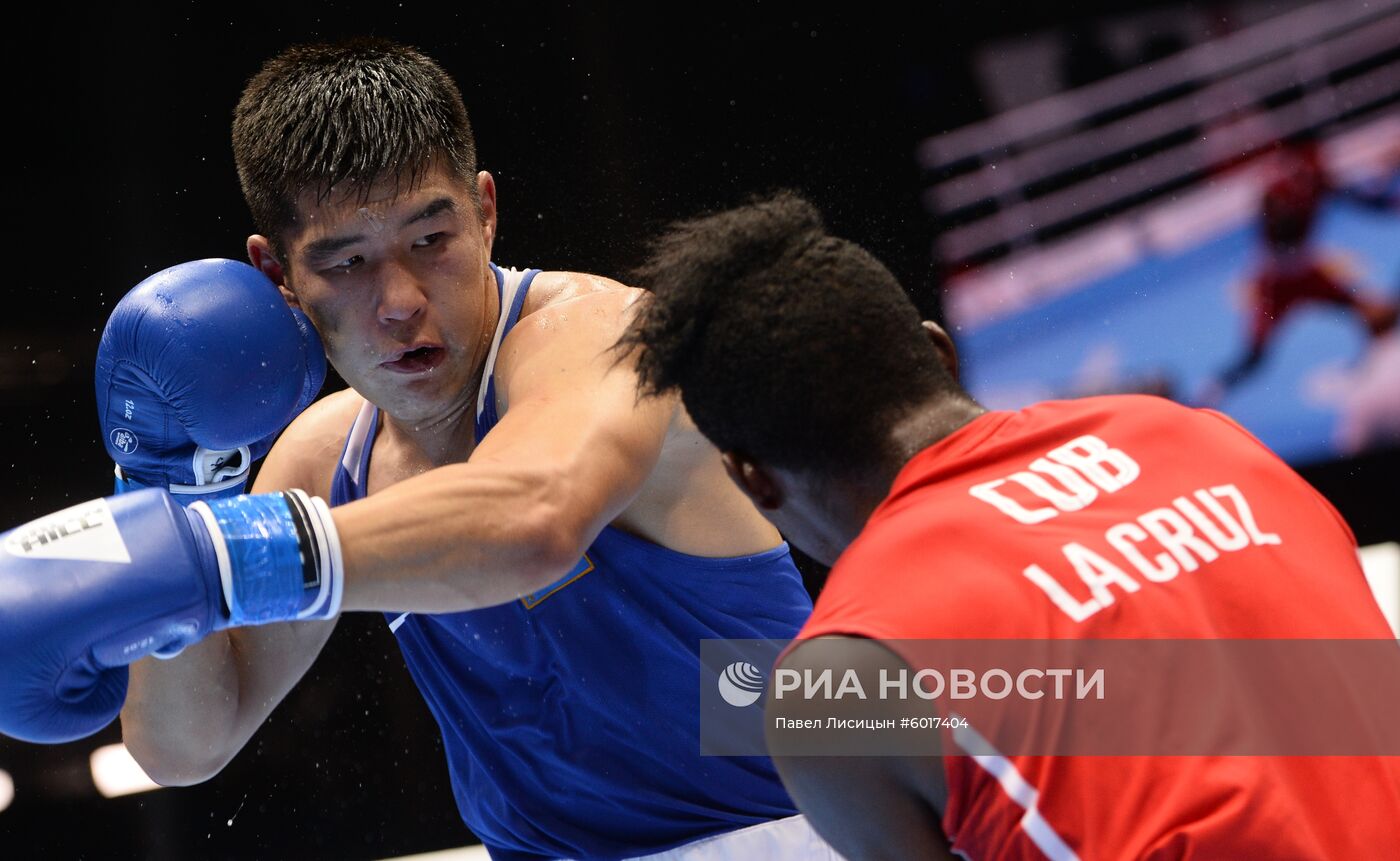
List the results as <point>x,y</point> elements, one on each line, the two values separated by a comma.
<point>417,360</point>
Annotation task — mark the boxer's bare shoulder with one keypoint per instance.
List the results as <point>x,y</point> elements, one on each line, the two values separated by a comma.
<point>686,502</point>
<point>553,288</point>
<point>574,313</point>
<point>306,453</point>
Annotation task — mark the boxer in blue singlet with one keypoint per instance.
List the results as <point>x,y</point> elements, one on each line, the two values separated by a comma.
<point>548,549</point>
<point>517,779</point>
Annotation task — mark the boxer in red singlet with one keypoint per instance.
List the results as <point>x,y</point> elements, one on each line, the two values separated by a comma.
<point>799,356</point>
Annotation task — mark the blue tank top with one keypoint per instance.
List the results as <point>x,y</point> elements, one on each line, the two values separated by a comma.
<point>570,717</point>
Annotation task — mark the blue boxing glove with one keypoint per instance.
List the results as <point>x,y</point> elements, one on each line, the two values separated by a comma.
<point>200,367</point>
<point>88,590</point>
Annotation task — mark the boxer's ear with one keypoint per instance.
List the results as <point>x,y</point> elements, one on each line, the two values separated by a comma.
<point>947,353</point>
<point>260,254</point>
<point>758,484</point>
<point>486,200</point>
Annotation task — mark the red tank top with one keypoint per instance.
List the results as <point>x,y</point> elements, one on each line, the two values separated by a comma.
<point>1219,538</point>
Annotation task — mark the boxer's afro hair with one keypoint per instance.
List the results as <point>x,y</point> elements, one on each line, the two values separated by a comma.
<point>789,345</point>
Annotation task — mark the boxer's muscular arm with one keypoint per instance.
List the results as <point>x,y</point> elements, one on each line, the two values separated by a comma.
<point>187,717</point>
<point>565,460</point>
<point>867,807</point>
<point>569,454</point>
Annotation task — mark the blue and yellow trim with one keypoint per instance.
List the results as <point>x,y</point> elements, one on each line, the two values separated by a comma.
<point>532,600</point>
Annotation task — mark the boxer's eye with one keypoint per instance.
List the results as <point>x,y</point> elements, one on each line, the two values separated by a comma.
<point>430,239</point>
<point>347,264</point>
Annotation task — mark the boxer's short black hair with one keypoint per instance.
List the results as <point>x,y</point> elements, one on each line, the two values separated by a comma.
<point>788,344</point>
<point>343,117</point>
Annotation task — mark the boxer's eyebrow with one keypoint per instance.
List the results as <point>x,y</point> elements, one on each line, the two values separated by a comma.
<point>316,251</point>
<point>437,207</point>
